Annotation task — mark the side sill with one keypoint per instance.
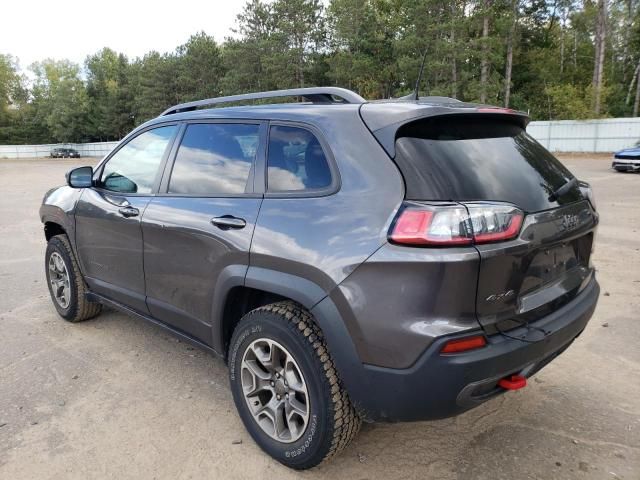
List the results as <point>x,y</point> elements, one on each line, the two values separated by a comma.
<point>94,297</point>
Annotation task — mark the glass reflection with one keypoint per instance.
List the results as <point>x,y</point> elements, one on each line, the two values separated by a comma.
<point>133,168</point>
<point>489,162</point>
<point>214,159</point>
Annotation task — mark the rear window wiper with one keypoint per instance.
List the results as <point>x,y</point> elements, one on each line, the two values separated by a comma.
<point>563,189</point>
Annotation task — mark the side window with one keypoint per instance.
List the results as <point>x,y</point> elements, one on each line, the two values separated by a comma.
<point>296,160</point>
<point>214,159</point>
<point>134,167</point>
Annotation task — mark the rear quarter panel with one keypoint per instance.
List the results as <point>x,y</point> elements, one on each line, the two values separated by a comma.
<point>323,239</point>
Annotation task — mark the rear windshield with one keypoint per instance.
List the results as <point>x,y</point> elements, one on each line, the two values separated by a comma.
<point>481,159</point>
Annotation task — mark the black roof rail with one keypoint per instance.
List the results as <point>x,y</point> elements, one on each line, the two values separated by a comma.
<point>313,94</point>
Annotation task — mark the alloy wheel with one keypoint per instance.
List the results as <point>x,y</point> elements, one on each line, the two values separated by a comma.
<point>275,390</point>
<point>59,279</point>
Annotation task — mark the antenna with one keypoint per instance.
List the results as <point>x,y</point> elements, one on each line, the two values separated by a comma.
<point>416,92</point>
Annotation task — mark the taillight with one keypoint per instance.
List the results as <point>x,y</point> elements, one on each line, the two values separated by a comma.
<point>452,225</point>
<point>437,226</point>
<point>494,223</point>
<point>587,192</point>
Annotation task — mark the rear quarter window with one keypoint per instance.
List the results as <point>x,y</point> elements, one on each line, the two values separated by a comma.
<point>479,159</point>
<point>296,161</point>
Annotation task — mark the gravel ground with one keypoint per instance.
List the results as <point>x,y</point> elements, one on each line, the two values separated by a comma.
<point>118,398</point>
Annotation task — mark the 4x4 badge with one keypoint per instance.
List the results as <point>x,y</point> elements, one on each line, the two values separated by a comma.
<point>500,296</point>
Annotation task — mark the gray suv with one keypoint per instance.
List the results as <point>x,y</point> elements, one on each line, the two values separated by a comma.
<point>393,261</point>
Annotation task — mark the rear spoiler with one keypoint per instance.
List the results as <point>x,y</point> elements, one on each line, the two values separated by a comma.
<point>384,120</point>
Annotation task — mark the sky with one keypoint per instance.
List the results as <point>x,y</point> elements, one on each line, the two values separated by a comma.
<point>33,30</point>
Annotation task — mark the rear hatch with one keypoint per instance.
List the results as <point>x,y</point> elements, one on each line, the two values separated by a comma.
<point>489,159</point>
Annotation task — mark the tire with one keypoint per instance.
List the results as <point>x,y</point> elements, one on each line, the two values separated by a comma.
<point>331,422</point>
<point>68,296</point>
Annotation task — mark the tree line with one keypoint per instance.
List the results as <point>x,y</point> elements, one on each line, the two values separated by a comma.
<point>556,59</point>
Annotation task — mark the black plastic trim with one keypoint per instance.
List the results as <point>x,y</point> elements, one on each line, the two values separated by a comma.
<point>431,388</point>
<point>94,297</point>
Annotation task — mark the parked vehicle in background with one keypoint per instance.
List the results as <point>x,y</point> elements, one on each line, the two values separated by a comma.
<point>396,260</point>
<point>627,160</point>
<point>64,153</point>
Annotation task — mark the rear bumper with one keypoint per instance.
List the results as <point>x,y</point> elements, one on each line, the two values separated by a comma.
<point>439,386</point>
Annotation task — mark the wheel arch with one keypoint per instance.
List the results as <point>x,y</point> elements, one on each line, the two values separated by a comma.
<point>53,228</point>
<point>241,294</point>
<point>241,289</point>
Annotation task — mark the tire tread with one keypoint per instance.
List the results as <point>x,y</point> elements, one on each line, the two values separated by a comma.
<point>85,309</point>
<point>346,421</point>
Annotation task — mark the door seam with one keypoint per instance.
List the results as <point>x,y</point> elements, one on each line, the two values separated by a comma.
<point>255,226</point>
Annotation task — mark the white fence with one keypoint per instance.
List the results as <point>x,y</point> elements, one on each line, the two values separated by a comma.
<point>606,135</point>
<point>97,149</point>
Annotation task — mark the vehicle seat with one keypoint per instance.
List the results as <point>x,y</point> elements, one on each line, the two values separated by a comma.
<point>316,167</point>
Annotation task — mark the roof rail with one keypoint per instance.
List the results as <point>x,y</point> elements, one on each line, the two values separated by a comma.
<point>313,94</point>
<point>429,98</point>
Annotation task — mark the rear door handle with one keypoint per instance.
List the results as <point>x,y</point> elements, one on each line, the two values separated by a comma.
<point>129,212</point>
<point>226,222</point>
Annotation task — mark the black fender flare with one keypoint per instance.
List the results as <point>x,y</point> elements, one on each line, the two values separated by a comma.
<point>315,299</point>
<point>54,214</point>
<point>298,289</point>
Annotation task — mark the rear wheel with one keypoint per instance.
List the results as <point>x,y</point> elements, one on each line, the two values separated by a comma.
<point>286,388</point>
<point>66,285</point>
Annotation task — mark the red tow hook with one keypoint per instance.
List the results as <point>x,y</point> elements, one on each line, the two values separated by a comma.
<point>513,382</point>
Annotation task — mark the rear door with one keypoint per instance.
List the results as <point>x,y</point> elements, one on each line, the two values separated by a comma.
<point>198,230</point>
<point>108,233</point>
<point>479,159</point>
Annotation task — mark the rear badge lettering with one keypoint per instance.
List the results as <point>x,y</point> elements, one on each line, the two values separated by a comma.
<point>496,297</point>
<point>569,222</point>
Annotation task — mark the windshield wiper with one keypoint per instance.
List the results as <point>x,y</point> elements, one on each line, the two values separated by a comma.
<point>563,189</point>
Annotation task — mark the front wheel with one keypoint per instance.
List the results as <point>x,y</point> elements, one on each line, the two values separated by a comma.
<point>286,388</point>
<point>66,285</point>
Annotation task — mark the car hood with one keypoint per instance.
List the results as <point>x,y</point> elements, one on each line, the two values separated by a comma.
<point>628,152</point>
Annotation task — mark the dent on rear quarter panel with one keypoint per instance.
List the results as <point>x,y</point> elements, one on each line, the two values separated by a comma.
<point>324,239</point>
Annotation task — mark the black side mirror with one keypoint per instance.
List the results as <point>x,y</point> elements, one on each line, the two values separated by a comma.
<point>81,177</point>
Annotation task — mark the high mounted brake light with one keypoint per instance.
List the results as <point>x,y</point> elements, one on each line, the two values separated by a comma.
<point>495,110</point>
<point>455,225</point>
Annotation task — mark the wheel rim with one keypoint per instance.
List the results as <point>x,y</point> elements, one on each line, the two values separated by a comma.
<point>275,390</point>
<point>59,280</point>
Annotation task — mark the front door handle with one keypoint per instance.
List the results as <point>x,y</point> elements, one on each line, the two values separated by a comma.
<point>227,221</point>
<point>129,212</point>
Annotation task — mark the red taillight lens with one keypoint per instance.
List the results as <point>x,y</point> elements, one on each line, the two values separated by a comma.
<point>456,225</point>
<point>464,344</point>
<point>439,226</point>
<point>494,223</point>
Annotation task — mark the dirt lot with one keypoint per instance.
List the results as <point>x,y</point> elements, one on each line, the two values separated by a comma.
<point>117,398</point>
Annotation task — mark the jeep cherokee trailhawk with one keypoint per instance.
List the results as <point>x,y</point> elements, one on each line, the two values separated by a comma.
<point>394,260</point>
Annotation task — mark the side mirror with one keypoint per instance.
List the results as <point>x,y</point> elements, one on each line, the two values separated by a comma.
<point>81,177</point>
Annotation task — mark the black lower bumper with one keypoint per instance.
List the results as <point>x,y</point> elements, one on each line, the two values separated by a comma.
<point>440,386</point>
